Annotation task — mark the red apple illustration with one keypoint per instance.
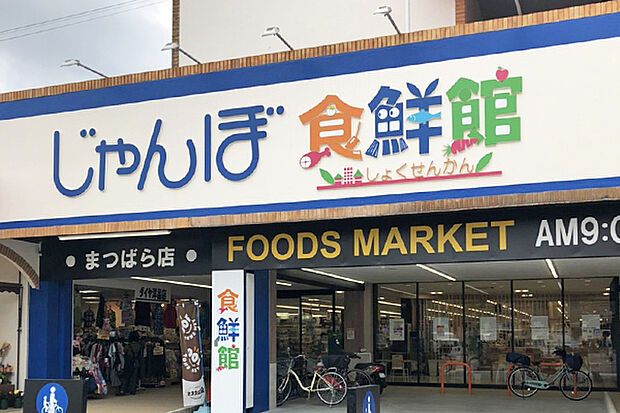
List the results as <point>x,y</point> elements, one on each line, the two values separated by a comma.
<point>501,74</point>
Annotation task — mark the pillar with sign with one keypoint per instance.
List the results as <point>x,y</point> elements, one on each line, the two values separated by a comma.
<point>228,349</point>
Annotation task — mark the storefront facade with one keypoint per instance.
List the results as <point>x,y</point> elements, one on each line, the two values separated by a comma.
<point>489,147</point>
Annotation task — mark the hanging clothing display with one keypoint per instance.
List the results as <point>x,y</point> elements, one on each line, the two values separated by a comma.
<point>89,318</point>
<point>133,363</point>
<point>170,316</point>
<point>126,317</point>
<point>111,315</point>
<point>77,310</point>
<point>153,368</point>
<point>158,319</point>
<point>143,314</point>
<point>205,320</point>
<point>100,311</point>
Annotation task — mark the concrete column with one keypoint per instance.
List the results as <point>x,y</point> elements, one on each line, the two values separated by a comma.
<point>49,335</point>
<point>368,319</point>
<point>273,344</point>
<point>353,320</point>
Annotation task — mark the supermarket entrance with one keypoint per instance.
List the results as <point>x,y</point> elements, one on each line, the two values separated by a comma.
<point>421,316</point>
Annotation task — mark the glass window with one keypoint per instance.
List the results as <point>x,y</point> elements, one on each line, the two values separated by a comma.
<point>488,330</point>
<point>538,318</point>
<point>396,331</point>
<point>441,330</point>
<point>316,324</point>
<point>287,312</point>
<point>588,310</point>
<point>339,313</point>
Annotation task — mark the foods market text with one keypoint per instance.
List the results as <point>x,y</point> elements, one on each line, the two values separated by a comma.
<point>436,239</point>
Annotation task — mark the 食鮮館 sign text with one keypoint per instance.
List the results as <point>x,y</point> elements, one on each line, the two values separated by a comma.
<point>475,126</point>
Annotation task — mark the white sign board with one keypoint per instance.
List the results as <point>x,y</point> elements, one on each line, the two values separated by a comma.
<point>488,328</point>
<point>441,328</point>
<point>228,342</point>
<point>590,326</point>
<point>397,329</point>
<point>151,294</point>
<point>394,133</point>
<point>540,327</point>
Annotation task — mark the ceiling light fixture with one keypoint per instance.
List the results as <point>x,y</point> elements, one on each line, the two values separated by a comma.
<point>436,272</point>
<point>329,274</point>
<point>551,268</point>
<point>157,280</point>
<point>389,313</point>
<point>88,291</point>
<point>476,289</point>
<point>398,291</point>
<point>287,307</point>
<point>284,284</point>
<point>114,235</point>
<point>389,303</point>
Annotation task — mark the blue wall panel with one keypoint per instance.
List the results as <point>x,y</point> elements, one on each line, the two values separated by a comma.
<point>261,341</point>
<point>49,340</point>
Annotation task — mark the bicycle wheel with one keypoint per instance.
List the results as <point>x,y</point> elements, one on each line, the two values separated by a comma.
<point>331,388</point>
<point>356,378</point>
<point>576,385</point>
<point>517,382</point>
<point>283,390</point>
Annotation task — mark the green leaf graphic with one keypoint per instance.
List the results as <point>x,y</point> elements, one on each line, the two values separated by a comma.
<point>483,162</point>
<point>327,176</point>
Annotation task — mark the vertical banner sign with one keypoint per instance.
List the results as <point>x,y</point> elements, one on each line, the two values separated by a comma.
<point>227,344</point>
<point>193,379</point>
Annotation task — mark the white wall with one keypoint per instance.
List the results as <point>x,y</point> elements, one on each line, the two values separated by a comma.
<point>8,306</point>
<point>8,326</point>
<point>233,28</point>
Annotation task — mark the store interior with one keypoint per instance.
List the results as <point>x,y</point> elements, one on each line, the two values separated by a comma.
<point>412,318</point>
<point>426,315</point>
<point>125,334</point>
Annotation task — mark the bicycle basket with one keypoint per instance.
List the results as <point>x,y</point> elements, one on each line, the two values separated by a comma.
<point>517,358</point>
<point>574,361</point>
<point>311,365</point>
<point>340,362</point>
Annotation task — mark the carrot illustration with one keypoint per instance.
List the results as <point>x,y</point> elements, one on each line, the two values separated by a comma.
<point>459,145</point>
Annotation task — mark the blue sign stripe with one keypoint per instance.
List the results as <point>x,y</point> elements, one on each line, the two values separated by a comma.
<point>323,203</point>
<point>530,37</point>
